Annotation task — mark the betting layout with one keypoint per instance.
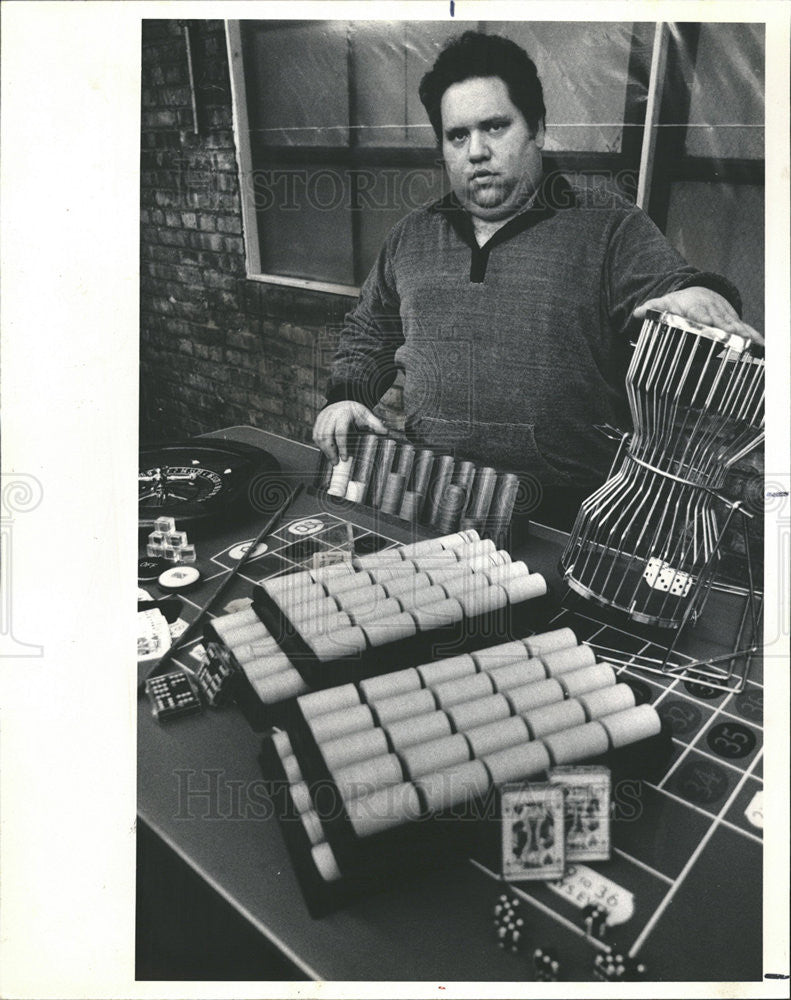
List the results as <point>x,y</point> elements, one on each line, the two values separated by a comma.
<point>703,813</point>
<point>700,818</point>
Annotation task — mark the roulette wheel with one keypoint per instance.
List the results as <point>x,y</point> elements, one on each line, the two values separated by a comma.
<point>200,480</point>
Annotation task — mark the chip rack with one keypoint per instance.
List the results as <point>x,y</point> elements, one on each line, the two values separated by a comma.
<point>470,825</point>
<point>271,619</point>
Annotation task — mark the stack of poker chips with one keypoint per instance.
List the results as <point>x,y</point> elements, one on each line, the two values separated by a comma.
<point>366,605</point>
<point>404,746</point>
<point>421,486</point>
<point>300,805</point>
<point>165,542</point>
<point>241,642</point>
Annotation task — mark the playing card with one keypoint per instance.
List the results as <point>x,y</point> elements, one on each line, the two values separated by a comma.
<point>587,811</point>
<point>532,831</point>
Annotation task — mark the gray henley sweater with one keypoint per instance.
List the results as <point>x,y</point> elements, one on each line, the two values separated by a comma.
<point>513,351</point>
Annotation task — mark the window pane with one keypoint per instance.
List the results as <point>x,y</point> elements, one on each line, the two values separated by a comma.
<point>378,61</point>
<point>719,227</point>
<point>389,59</point>
<point>424,40</point>
<point>390,193</point>
<point>297,82</point>
<point>584,71</point>
<point>304,222</point>
<point>726,115</point>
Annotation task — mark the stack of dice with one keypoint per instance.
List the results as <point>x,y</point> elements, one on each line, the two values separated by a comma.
<point>510,929</point>
<point>594,918</point>
<point>610,966</point>
<point>617,967</point>
<point>508,924</point>
<point>546,964</point>
<point>165,542</point>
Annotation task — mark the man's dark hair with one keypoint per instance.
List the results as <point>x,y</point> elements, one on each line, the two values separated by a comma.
<point>474,54</point>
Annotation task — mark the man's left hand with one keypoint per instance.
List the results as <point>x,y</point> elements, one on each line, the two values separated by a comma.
<point>701,305</point>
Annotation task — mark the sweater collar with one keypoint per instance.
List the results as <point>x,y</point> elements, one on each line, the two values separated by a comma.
<point>554,194</point>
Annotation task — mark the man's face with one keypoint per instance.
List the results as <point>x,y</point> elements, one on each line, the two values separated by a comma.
<point>492,157</point>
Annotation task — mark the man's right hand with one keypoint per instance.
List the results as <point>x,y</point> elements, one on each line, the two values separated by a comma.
<point>331,430</point>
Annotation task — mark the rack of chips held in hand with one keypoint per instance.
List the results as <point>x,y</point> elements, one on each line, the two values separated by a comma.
<point>420,486</point>
<point>353,619</point>
<point>413,768</point>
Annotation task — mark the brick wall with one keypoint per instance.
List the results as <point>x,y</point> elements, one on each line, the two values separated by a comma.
<point>216,348</point>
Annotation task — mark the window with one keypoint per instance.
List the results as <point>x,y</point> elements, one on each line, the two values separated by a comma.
<point>335,145</point>
<point>708,189</point>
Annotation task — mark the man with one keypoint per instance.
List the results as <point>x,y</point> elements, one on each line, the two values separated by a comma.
<point>510,303</point>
